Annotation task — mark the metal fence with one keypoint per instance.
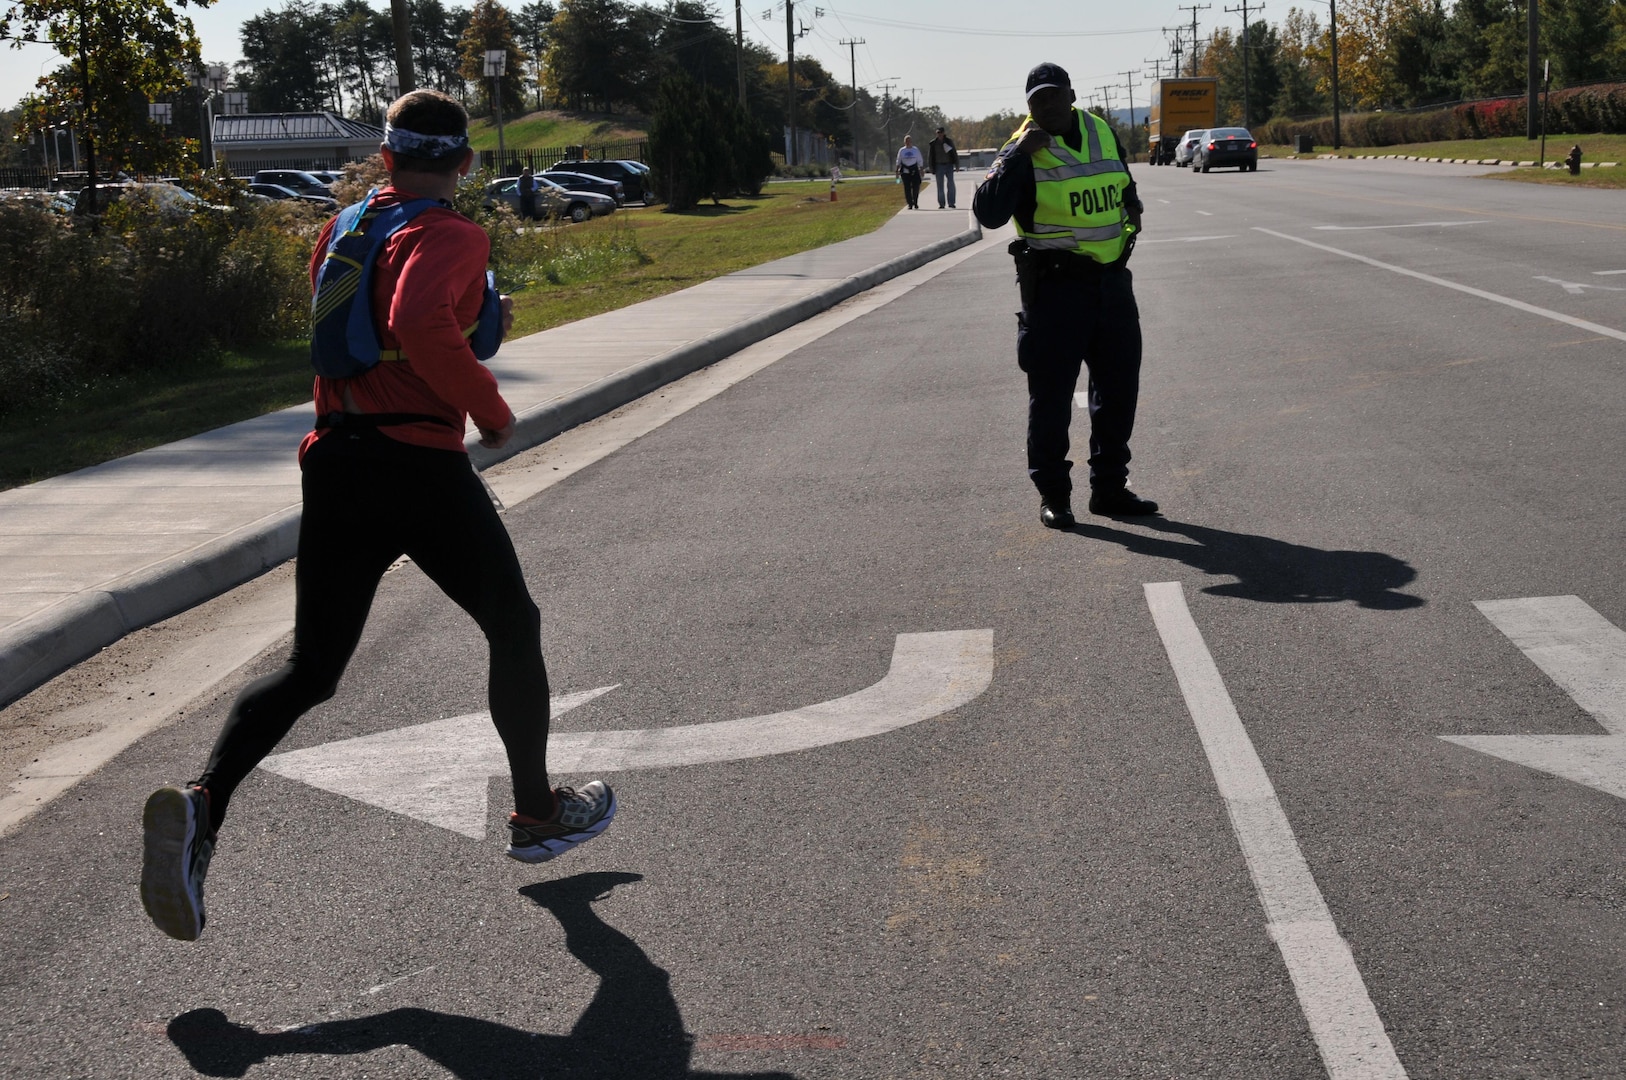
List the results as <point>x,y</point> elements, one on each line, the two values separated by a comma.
<point>538,158</point>
<point>32,177</point>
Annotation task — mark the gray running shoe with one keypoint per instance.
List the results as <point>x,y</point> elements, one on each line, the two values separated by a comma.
<point>582,814</point>
<point>178,845</point>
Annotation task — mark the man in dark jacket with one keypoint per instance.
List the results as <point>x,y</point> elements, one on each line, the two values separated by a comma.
<point>944,159</point>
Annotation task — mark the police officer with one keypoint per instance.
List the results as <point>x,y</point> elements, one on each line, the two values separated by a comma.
<point>1062,176</point>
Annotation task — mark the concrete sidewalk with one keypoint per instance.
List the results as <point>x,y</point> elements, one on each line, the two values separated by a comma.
<point>88,557</point>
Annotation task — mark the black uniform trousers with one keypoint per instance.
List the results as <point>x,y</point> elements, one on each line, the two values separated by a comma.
<point>1073,323</point>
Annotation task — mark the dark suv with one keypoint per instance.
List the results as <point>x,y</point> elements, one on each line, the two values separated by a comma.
<point>296,180</point>
<point>634,180</point>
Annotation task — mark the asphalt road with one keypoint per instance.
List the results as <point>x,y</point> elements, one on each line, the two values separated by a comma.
<point>1045,881</point>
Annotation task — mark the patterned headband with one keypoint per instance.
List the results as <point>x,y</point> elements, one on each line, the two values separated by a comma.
<point>432,147</point>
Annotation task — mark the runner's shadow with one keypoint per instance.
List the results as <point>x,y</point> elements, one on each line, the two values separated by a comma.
<point>1271,571</point>
<point>632,1029</point>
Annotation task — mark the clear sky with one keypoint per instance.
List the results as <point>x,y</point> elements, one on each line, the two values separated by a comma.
<point>968,58</point>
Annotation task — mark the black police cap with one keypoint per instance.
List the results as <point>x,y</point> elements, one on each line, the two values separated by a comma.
<point>1047,74</point>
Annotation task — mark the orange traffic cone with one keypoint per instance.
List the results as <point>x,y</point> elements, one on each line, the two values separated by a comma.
<point>832,191</point>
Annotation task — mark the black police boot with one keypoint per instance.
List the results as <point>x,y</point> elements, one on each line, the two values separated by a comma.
<point>1120,502</point>
<point>1056,514</point>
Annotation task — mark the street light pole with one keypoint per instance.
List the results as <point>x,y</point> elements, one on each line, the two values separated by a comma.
<point>496,65</point>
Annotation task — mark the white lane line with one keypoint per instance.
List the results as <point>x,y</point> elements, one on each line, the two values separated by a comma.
<point>1185,239</point>
<point>1409,225</point>
<point>1343,1021</point>
<point>1206,213</point>
<point>1556,316</point>
<point>1606,273</point>
<point>1585,654</point>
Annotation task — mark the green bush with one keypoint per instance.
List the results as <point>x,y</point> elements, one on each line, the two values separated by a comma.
<point>1583,110</point>
<point>150,289</point>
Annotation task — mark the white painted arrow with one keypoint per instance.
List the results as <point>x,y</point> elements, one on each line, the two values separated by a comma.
<point>1577,288</point>
<point>1583,653</point>
<point>437,772</point>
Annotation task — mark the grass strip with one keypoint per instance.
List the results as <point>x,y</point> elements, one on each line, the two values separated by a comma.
<point>114,417</point>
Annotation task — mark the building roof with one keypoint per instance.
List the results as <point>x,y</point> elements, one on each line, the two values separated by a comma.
<point>293,129</point>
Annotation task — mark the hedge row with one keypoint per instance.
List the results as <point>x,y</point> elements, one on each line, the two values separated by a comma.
<point>1584,110</point>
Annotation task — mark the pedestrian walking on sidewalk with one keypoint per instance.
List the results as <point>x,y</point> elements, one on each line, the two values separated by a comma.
<point>944,159</point>
<point>1063,176</point>
<point>908,166</point>
<point>386,474</point>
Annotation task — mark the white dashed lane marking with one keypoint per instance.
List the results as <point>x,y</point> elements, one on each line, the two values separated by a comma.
<point>1520,305</point>
<point>1408,225</point>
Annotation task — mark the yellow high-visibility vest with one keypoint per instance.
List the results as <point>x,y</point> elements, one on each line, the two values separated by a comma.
<point>1081,196</point>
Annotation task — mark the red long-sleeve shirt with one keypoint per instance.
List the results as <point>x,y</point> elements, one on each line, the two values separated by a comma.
<point>427,286</point>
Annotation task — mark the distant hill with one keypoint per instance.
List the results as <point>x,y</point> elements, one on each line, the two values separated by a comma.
<point>557,127</point>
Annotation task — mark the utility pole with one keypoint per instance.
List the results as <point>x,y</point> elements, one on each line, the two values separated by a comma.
<point>1157,69</point>
<point>790,80</point>
<point>1336,140</point>
<point>1178,47</point>
<point>914,105</point>
<point>886,115</point>
<point>739,49</point>
<point>852,60</point>
<point>1106,98</point>
<point>496,67</point>
<point>1533,74</point>
<point>1129,76</point>
<point>1246,116</point>
<point>1194,8</point>
<point>401,27</point>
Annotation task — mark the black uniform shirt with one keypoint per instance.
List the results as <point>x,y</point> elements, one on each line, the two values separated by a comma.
<point>1010,190</point>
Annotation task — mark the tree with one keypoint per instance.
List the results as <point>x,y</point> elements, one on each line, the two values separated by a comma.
<point>533,26</point>
<point>490,29</point>
<point>1416,54</point>
<point>701,143</point>
<point>581,64</point>
<point>435,34</point>
<point>1581,40</point>
<point>286,59</point>
<point>362,56</point>
<point>1302,63</point>
<point>121,54</point>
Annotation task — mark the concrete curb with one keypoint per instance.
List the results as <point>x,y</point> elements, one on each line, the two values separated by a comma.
<point>45,644</point>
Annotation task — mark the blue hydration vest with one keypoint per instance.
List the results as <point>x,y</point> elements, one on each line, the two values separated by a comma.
<point>344,338</point>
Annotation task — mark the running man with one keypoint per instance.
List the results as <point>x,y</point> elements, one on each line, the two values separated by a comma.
<point>386,474</point>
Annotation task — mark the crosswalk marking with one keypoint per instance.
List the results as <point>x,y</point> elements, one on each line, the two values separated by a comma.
<point>1343,1021</point>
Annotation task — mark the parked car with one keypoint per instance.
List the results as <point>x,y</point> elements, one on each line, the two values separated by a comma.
<point>1188,146</point>
<point>633,177</point>
<point>295,180</point>
<point>615,189</point>
<point>1223,148</point>
<point>326,176</point>
<point>277,191</point>
<point>552,200</point>
<point>164,196</point>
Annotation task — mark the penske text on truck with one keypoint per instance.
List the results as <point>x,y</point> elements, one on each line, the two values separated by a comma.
<point>1178,106</point>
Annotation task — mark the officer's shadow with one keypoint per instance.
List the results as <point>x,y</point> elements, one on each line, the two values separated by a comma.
<point>632,1029</point>
<point>1271,571</point>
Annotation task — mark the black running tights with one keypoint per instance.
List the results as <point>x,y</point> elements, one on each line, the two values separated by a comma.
<point>368,500</point>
